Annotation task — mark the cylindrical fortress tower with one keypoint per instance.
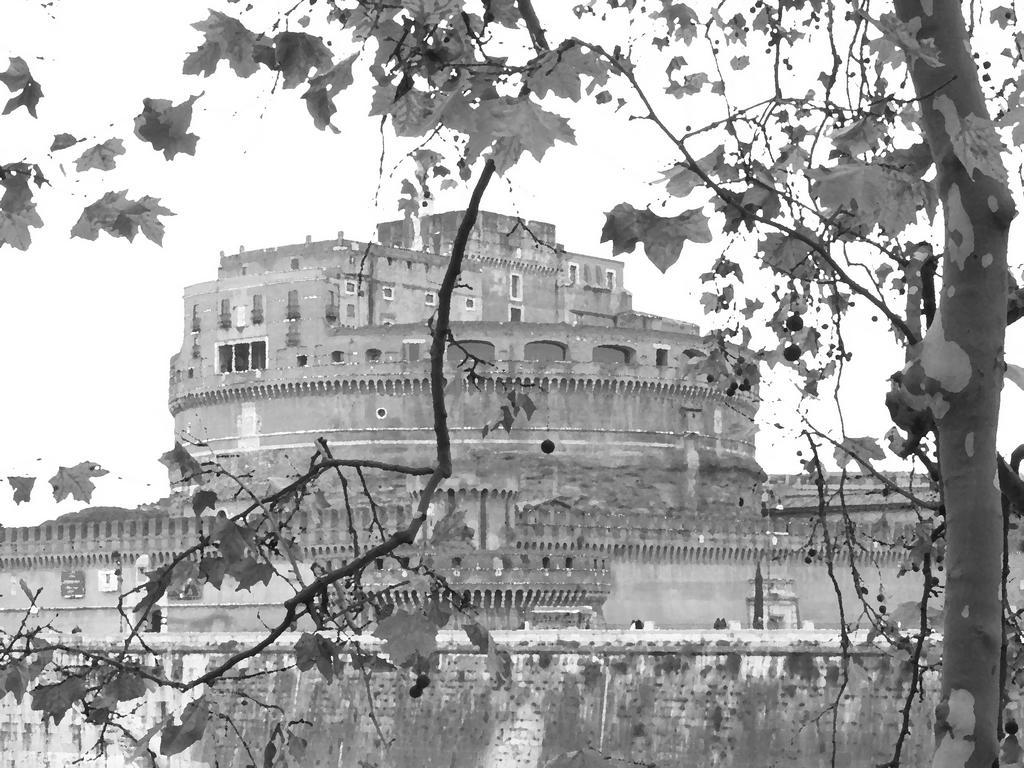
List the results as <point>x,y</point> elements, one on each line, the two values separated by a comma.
<point>330,339</point>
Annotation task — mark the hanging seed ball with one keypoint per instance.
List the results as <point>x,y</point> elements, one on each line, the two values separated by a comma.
<point>422,681</point>
<point>547,446</point>
<point>415,691</point>
<point>791,353</point>
<point>794,323</point>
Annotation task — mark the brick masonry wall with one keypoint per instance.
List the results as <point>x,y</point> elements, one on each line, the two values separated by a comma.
<point>728,699</point>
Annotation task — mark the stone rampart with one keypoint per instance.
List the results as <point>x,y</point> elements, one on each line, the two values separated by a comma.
<point>725,699</point>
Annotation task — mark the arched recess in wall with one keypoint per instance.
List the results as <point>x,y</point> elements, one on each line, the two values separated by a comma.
<point>544,351</point>
<point>481,349</point>
<point>613,353</point>
<point>373,355</point>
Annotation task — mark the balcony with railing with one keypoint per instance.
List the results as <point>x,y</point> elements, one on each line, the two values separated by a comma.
<point>224,321</point>
<point>331,313</point>
<point>257,316</point>
<point>292,312</point>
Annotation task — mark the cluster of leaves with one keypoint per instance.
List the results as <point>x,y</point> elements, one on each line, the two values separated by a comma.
<point>75,482</point>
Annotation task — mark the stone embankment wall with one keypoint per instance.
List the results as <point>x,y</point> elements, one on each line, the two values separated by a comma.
<point>727,699</point>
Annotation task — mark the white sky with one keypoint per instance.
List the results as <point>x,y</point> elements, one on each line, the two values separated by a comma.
<point>89,326</point>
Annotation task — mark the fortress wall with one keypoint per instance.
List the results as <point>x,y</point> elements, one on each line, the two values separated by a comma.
<point>733,700</point>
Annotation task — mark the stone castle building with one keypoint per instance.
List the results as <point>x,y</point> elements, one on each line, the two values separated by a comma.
<point>648,507</point>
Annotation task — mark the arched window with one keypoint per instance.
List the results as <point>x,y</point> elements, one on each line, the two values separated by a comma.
<point>373,355</point>
<point>544,351</point>
<point>545,562</point>
<point>612,353</point>
<point>481,349</point>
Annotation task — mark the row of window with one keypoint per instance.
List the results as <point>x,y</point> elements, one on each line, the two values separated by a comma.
<point>240,316</point>
<point>574,275</point>
<point>252,355</point>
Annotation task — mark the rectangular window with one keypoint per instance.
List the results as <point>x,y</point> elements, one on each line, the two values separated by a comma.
<point>515,287</point>
<point>586,274</point>
<point>609,279</point>
<point>661,357</point>
<point>388,292</point>
<point>225,313</point>
<point>412,351</point>
<point>195,318</point>
<point>515,314</point>
<point>292,313</point>
<point>350,287</point>
<point>295,263</point>
<point>257,308</point>
<point>240,318</point>
<point>574,272</point>
<point>300,360</point>
<point>337,356</point>
<point>431,299</point>
<point>243,356</point>
<point>350,310</point>
<point>258,355</point>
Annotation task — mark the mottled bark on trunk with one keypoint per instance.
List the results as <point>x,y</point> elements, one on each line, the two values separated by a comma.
<point>963,353</point>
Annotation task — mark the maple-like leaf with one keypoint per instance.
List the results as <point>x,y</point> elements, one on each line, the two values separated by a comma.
<point>787,255</point>
<point>17,210</point>
<point>56,699</point>
<point>177,738</point>
<point>126,685</point>
<point>558,72</point>
<point>857,138</point>
<point>203,500</point>
<point>76,481</point>
<point>15,678</point>
<point>681,180</point>
<point>681,19</point>
<point>22,488</point>
<point>870,194</point>
<point>322,90</point>
<point>224,38</point>
<point>662,237</point>
<point>407,635</point>
<point>179,460</point>
<point>904,36</point>
<point>165,126</point>
<point>314,650</point>
<point>297,53</point>
<point>63,141</point>
<point>19,78</point>
<point>858,449</point>
<point>511,126</point>
<point>119,216</point>
<point>213,569</point>
<point>100,156</point>
<point>249,572</point>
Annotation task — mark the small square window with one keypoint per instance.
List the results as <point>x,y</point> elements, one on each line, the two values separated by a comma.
<point>431,299</point>
<point>609,279</point>
<point>515,314</point>
<point>388,292</point>
<point>300,360</point>
<point>337,356</point>
<point>295,263</point>
<point>470,303</point>
<point>350,287</point>
<point>661,357</point>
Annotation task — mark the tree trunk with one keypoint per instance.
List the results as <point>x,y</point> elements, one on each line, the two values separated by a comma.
<point>966,340</point>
